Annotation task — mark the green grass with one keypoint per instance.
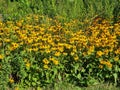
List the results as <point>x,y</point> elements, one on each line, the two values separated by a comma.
<point>67,8</point>
<point>66,86</point>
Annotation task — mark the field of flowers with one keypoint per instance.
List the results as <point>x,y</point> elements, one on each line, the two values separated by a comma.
<point>38,50</point>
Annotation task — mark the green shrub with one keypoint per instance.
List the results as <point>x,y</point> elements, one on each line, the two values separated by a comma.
<point>37,51</point>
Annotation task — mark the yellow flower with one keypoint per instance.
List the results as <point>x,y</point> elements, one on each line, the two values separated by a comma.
<point>14,46</point>
<point>64,53</point>
<point>51,58</point>
<point>91,48</point>
<point>84,53</point>
<point>55,62</point>
<point>19,24</point>
<point>47,51</point>
<point>1,56</point>
<point>45,61</point>
<point>35,49</point>
<point>100,66</point>
<point>46,66</point>
<point>57,54</point>
<point>50,40</point>
<point>109,64</point>
<point>99,53</point>
<point>102,62</point>
<point>53,48</point>
<point>7,53</point>
<point>76,57</point>
<point>72,41</point>
<point>68,46</point>
<point>11,80</point>
<point>25,59</point>
<point>16,88</point>
<point>61,49</point>
<point>29,49</point>
<point>72,53</point>
<point>117,51</point>
<point>116,58</point>
<point>106,51</point>
<point>29,41</point>
<point>27,64</point>
<point>7,40</point>
<point>74,49</point>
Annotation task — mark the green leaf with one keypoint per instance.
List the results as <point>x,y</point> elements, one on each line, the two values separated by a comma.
<point>29,77</point>
<point>38,88</point>
<point>115,77</point>
<point>27,82</point>
<point>119,69</point>
<point>34,79</point>
<point>59,77</point>
<point>83,70</point>
<point>107,75</point>
<point>116,68</point>
<point>55,71</point>
<point>79,76</point>
<point>76,67</point>
<point>90,70</point>
<point>33,83</point>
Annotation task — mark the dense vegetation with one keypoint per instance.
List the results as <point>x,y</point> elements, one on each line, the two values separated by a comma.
<point>80,9</point>
<point>50,41</point>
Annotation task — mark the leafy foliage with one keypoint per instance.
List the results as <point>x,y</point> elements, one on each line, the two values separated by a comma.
<point>38,50</point>
<point>59,41</point>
